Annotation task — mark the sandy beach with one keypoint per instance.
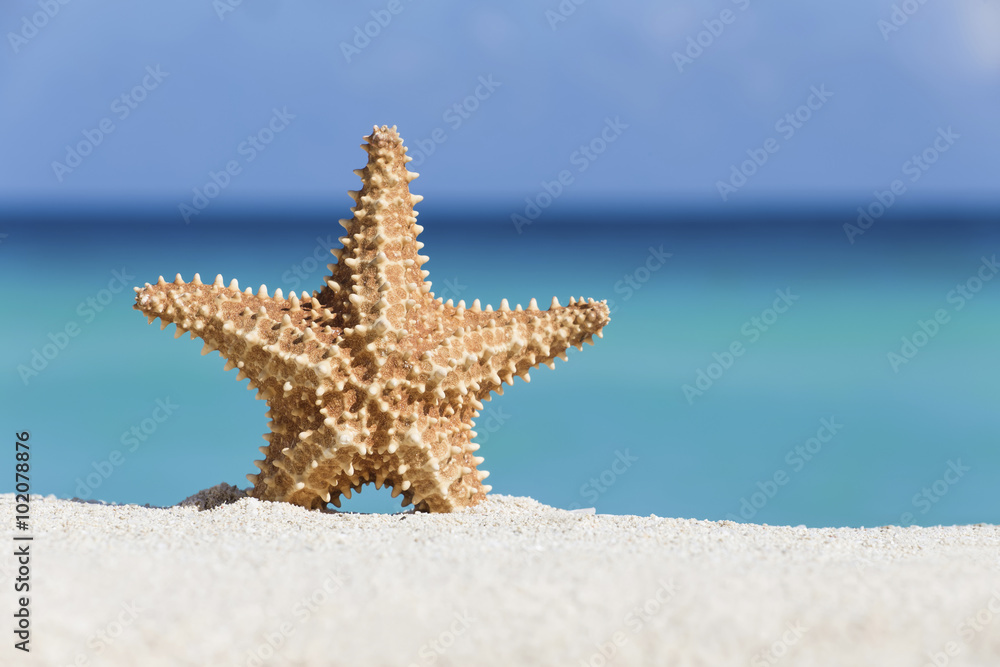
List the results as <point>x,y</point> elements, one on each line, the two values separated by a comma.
<point>506,583</point>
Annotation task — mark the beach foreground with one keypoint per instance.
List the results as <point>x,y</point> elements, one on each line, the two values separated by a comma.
<point>506,583</point>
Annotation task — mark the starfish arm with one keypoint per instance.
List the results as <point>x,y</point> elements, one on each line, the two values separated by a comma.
<point>433,468</point>
<point>444,472</point>
<point>378,278</point>
<point>272,340</point>
<point>309,455</point>
<point>492,347</point>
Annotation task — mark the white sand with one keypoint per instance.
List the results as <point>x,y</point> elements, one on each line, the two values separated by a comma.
<point>511,582</point>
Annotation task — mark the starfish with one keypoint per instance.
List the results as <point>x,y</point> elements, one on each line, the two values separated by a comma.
<point>372,378</point>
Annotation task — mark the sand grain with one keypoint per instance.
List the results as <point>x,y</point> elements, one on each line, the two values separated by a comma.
<point>508,582</point>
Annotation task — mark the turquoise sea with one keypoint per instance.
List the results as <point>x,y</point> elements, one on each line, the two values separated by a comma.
<point>759,367</point>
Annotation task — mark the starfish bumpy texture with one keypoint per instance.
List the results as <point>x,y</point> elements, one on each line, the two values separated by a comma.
<point>372,378</point>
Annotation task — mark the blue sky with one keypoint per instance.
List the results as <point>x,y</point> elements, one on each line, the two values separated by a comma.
<point>546,87</point>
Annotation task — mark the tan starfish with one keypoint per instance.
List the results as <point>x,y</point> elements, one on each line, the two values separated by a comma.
<point>372,379</point>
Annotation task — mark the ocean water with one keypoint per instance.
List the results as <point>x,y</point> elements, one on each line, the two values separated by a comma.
<point>758,367</point>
